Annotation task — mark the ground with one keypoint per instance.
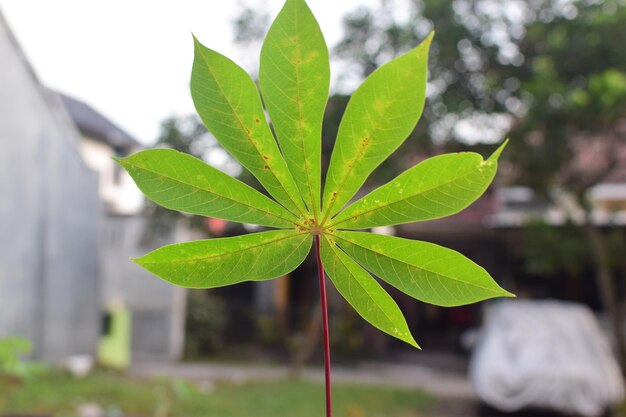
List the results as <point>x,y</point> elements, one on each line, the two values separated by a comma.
<point>110,394</point>
<point>432,386</point>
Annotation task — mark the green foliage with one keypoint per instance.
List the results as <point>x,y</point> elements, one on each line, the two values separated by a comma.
<point>542,257</point>
<point>12,350</point>
<point>550,251</point>
<point>378,118</point>
<point>206,321</point>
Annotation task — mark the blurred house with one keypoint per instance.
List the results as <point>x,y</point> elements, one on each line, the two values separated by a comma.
<point>72,219</point>
<point>157,308</point>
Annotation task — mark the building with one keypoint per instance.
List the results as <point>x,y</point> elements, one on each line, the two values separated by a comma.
<point>71,220</point>
<point>50,210</point>
<point>157,308</point>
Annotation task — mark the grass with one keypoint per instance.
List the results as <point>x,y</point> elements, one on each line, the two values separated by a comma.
<point>60,395</point>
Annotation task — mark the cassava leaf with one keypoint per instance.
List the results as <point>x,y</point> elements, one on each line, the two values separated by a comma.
<point>434,188</point>
<point>423,270</point>
<point>294,79</point>
<point>229,104</point>
<point>225,261</point>
<point>294,76</point>
<point>380,115</point>
<point>363,293</point>
<point>181,182</point>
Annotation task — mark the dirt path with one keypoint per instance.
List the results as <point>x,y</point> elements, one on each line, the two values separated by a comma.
<point>446,385</point>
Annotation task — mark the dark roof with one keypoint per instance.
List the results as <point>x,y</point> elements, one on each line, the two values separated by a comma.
<point>95,125</point>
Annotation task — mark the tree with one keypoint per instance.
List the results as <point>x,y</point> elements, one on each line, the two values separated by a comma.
<point>550,72</point>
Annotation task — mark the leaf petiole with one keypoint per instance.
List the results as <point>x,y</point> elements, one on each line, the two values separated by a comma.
<point>324,304</point>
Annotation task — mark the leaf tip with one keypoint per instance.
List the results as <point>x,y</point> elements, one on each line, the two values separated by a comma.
<point>430,37</point>
<point>424,46</point>
<point>508,294</point>
<point>196,43</point>
<point>494,156</point>
<point>413,343</point>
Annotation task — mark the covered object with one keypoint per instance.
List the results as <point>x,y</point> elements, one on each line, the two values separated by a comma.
<point>546,355</point>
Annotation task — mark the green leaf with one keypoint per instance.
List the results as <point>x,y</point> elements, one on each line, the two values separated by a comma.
<point>225,261</point>
<point>295,76</point>
<point>425,271</point>
<point>230,106</point>
<point>181,182</point>
<point>380,115</point>
<point>363,293</point>
<point>434,188</point>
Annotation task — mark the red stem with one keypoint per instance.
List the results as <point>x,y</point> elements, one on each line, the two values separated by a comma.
<point>320,270</point>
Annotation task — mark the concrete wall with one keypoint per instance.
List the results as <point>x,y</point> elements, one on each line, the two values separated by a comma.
<point>49,215</point>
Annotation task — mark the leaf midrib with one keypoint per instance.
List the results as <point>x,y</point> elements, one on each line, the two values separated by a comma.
<point>292,221</point>
<point>211,256</point>
<point>243,129</point>
<point>388,203</point>
<point>307,171</point>
<point>438,274</point>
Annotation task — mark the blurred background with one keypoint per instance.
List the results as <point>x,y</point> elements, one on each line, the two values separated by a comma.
<point>85,332</point>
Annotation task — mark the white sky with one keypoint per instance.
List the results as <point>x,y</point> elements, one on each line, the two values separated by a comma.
<point>131,59</point>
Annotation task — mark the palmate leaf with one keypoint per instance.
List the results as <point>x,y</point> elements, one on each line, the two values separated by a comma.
<point>423,270</point>
<point>437,187</point>
<point>294,79</point>
<point>181,182</point>
<point>225,261</point>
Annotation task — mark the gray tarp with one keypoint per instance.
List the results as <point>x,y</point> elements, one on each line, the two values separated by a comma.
<point>545,354</point>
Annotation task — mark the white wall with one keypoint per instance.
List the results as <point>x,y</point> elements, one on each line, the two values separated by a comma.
<point>116,189</point>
